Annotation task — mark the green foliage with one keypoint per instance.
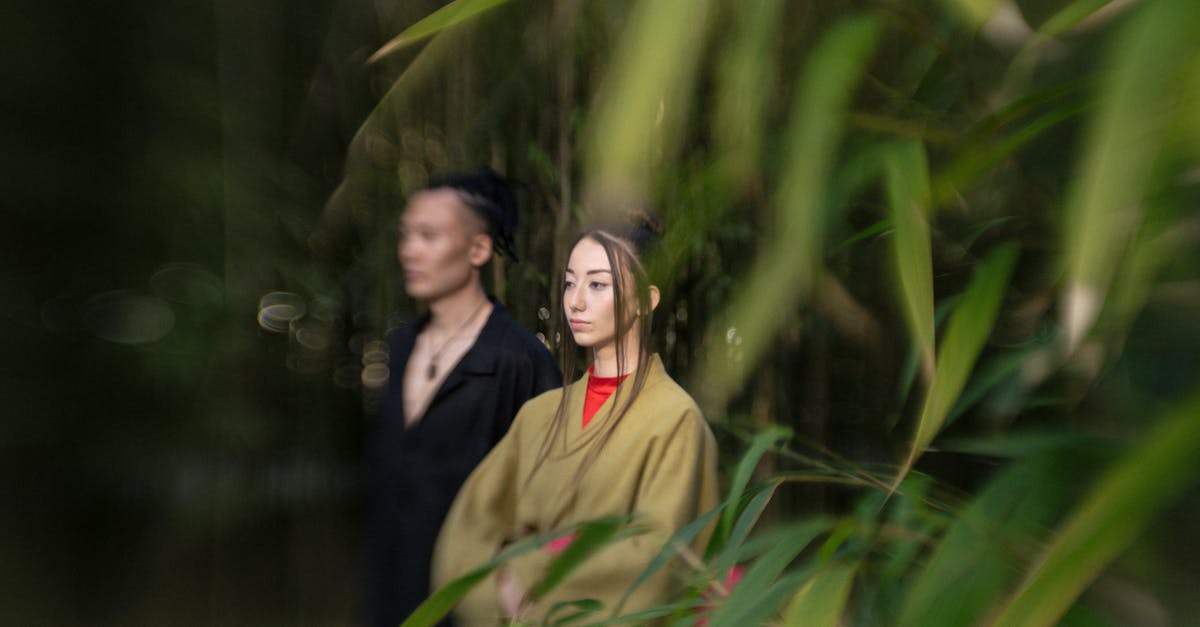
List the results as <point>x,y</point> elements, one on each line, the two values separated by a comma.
<point>453,13</point>
<point>821,601</point>
<point>966,332</point>
<point>907,176</point>
<point>792,254</point>
<point>930,268</point>
<point>1108,518</point>
<point>926,157</point>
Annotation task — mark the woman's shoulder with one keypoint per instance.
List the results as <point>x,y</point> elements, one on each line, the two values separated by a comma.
<point>664,397</point>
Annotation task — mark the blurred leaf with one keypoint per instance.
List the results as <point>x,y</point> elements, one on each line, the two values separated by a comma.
<point>785,269</point>
<point>1071,15</point>
<point>680,538</point>
<point>976,558</point>
<point>439,604</point>
<point>909,373</point>
<point>822,600</point>
<point>907,176</point>
<point>449,15</point>
<point>761,591</point>
<point>583,608</point>
<point>975,12</point>
<point>910,524</point>
<point>589,536</point>
<point>745,76</point>
<point>1022,443</point>
<point>1115,511</point>
<point>967,330</point>
<point>731,550</point>
<point>989,376</point>
<point>881,226</point>
<point>686,608</point>
<point>975,161</point>
<point>1153,54</point>
<point>646,98</point>
<point>760,608</point>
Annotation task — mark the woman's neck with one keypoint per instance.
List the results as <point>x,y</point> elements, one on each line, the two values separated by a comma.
<point>604,359</point>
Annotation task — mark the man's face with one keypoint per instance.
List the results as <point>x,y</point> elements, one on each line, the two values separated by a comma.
<point>437,247</point>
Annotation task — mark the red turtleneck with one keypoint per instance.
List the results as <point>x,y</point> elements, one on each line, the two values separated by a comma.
<point>598,391</point>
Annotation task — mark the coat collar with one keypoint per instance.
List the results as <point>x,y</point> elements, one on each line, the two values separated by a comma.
<point>480,359</point>
<point>603,420</point>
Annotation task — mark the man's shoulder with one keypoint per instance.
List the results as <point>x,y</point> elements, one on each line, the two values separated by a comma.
<point>513,337</point>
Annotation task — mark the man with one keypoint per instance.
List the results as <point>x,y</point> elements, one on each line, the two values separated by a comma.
<point>458,376</point>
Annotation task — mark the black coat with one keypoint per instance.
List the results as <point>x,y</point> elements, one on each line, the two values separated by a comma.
<point>415,473</point>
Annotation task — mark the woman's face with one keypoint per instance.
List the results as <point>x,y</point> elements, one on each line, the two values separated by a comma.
<point>588,296</point>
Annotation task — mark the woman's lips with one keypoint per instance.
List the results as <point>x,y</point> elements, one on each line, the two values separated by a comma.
<point>577,324</point>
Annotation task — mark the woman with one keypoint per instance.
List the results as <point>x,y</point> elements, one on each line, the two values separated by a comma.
<point>623,439</point>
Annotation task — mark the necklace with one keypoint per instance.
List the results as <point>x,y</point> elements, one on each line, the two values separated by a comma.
<point>432,371</point>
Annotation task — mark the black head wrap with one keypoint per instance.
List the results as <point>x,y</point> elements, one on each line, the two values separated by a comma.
<point>491,197</point>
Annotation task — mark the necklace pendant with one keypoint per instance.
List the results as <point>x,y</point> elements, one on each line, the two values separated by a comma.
<point>431,372</point>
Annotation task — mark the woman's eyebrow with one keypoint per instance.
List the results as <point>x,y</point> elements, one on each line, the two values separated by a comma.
<point>570,271</point>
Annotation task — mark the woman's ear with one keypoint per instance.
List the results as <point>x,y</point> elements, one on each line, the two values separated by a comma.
<point>481,249</point>
<point>654,296</point>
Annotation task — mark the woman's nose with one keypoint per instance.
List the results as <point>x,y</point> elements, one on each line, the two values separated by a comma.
<point>576,300</point>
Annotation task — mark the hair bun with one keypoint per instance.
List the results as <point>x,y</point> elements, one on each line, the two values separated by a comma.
<point>491,196</point>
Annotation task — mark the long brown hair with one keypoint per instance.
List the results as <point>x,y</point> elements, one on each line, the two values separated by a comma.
<point>625,246</point>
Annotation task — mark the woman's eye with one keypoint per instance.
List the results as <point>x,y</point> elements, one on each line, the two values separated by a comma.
<point>598,285</point>
<point>568,285</point>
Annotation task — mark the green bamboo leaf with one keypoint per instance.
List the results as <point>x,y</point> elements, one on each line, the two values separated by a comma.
<point>754,592</point>
<point>990,375</point>
<point>681,538</point>
<point>966,332</point>
<point>974,561</point>
<point>1021,444</point>
<point>685,610</point>
<point>439,604</point>
<point>1154,54</point>
<point>1114,512</point>
<point>589,537</point>
<point>449,15</point>
<point>978,160</point>
<point>784,272</point>
<point>582,609</point>
<point>907,176</point>
<point>750,515</point>
<point>757,609</point>
<point>1069,16</point>
<point>908,375</point>
<point>822,600</point>
<point>732,549</point>
<point>915,512</point>
<point>975,12</point>
<point>763,441</point>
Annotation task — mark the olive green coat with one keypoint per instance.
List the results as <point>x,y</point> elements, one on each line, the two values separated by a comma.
<point>660,464</point>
